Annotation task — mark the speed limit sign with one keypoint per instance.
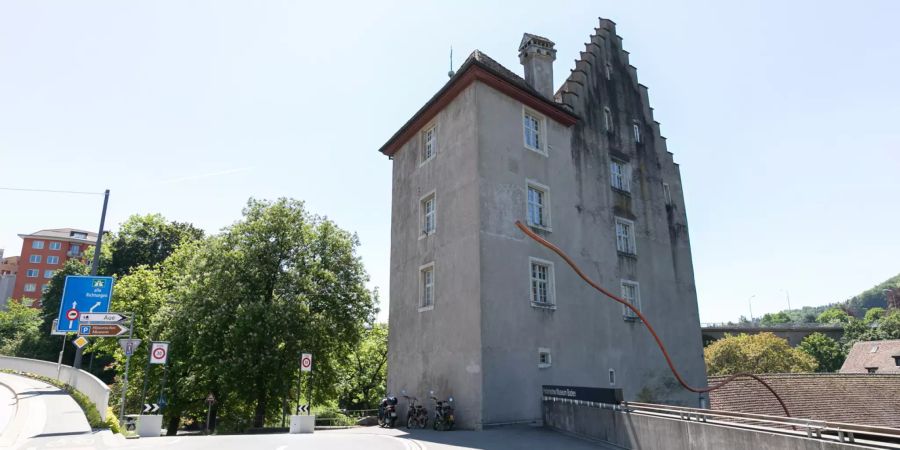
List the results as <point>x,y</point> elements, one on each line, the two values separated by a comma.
<point>159,352</point>
<point>306,362</point>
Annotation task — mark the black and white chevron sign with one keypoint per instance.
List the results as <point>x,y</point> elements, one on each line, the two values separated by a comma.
<point>302,409</point>
<point>151,408</point>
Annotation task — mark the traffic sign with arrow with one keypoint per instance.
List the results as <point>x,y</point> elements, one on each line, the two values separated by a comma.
<point>302,409</point>
<point>129,345</point>
<point>151,408</point>
<point>102,317</point>
<point>101,329</point>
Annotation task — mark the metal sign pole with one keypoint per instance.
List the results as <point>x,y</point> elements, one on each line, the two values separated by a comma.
<point>61,351</point>
<point>125,385</point>
<point>95,264</point>
<point>146,376</point>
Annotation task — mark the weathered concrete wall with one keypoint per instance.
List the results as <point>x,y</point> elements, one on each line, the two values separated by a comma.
<point>438,349</point>
<point>88,384</point>
<point>635,431</point>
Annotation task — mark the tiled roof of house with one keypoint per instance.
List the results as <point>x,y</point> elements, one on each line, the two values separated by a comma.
<point>835,397</point>
<point>877,354</point>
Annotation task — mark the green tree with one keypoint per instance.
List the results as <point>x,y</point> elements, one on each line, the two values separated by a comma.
<point>363,375</point>
<point>775,318</point>
<point>827,352</point>
<point>247,302</point>
<point>873,314</point>
<point>19,327</point>
<point>755,353</point>
<point>146,240</point>
<point>833,315</point>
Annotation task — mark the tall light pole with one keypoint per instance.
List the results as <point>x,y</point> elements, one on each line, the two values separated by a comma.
<point>750,302</point>
<point>95,264</point>
<point>787,294</point>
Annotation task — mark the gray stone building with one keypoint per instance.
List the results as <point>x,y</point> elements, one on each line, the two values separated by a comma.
<point>480,312</point>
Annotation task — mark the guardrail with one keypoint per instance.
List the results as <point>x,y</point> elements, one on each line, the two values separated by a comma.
<point>877,436</point>
<point>88,384</point>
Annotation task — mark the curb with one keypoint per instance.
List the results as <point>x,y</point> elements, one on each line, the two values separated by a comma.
<point>11,432</point>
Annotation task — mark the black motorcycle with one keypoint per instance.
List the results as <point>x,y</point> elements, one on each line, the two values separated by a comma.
<point>416,415</point>
<point>387,412</point>
<point>443,414</point>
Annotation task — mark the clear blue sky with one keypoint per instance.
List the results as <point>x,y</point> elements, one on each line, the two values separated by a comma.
<point>783,116</point>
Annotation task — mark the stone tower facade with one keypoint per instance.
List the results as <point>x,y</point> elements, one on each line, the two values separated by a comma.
<point>480,312</point>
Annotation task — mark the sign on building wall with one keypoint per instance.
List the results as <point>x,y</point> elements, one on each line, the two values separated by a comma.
<point>585,394</point>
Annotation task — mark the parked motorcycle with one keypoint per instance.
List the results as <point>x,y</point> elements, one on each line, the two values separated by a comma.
<point>443,414</point>
<point>387,412</point>
<point>416,414</point>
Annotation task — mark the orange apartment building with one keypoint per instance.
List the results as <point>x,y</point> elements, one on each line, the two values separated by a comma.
<point>45,252</point>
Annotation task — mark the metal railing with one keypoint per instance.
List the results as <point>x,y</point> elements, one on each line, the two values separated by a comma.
<point>870,435</point>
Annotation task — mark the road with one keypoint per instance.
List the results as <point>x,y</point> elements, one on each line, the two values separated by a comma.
<point>44,417</point>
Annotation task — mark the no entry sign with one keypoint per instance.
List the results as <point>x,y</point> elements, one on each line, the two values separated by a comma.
<point>159,352</point>
<point>306,362</point>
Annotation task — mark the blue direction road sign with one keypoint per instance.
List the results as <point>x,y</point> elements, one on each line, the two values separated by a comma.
<point>83,294</point>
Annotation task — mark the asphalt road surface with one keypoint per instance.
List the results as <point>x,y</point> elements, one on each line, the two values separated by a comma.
<point>44,417</point>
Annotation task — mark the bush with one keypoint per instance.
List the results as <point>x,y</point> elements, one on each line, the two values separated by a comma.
<point>330,416</point>
<point>112,421</point>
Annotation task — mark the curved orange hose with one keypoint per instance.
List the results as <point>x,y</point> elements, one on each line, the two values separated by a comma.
<point>659,343</point>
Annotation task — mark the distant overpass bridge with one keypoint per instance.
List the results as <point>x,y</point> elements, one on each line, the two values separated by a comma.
<point>793,332</point>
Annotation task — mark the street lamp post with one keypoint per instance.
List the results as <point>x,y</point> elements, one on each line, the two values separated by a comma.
<point>750,302</point>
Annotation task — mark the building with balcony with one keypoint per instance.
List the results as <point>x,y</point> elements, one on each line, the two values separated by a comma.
<point>480,312</point>
<point>43,253</point>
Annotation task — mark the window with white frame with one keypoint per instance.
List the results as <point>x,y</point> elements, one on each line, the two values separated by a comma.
<point>426,283</point>
<point>636,131</point>
<point>541,282</point>
<point>74,250</point>
<point>544,360</point>
<point>49,273</point>
<point>429,214</point>
<point>607,120</point>
<point>37,244</point>
<point>620,175</point>
<point>532,125</point>
<point>667,194</point>
<point>631,293</point>
<point>32,273</point>
<point>429,143</point>
<point>625,236</point>
<point>36,259</point>
<point>53,260</point>
<point>30,287</point>
<point>608,71</point>
<point>55,245</point>
<point>538,205</point>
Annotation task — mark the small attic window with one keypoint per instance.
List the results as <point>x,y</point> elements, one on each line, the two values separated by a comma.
<point>79,235</point>
<point>897,360</point>
<point>871,369</point>
<point>874,349</point>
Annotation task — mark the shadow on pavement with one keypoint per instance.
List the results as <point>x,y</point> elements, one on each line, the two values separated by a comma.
<point>499,438</point>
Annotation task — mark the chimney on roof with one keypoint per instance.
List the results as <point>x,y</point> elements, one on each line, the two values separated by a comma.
<point>537,55</point>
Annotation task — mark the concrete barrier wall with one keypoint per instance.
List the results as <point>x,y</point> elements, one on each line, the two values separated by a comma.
<point>636,431</point>
<point>88,384</point>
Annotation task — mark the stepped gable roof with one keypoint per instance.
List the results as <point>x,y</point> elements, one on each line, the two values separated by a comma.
<point>478,67</point>
<point>873,354</point>
<point>869,399</point>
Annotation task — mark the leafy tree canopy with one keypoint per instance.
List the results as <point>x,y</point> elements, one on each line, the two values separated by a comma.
<point>755,353</point>
<point>828,353</point>
<point>833,315</point>
<point>775,319</point>
<point>146,240</point>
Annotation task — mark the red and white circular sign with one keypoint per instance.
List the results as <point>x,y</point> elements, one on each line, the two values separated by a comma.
<point>72,314</point>
<point>159,353</point>
<point>306,362</point>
